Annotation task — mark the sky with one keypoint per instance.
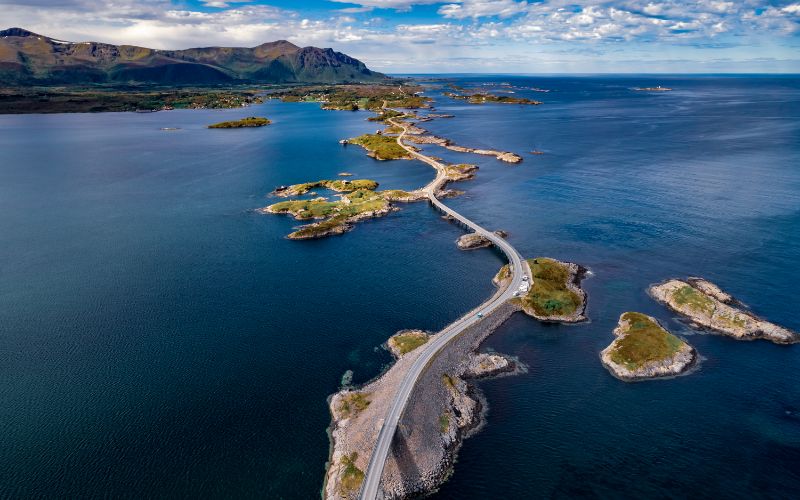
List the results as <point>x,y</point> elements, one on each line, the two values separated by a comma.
<point>456,36</point>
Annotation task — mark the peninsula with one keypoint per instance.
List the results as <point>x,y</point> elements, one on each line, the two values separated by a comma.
<point>706,305</point>
<point>643,350</point>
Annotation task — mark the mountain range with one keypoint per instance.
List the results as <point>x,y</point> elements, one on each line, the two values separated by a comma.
<point>27,58</point>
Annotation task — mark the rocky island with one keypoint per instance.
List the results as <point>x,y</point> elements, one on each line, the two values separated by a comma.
<point>250,121</point>
<point>484,97</point>
<point>380,147</point>
<point>555,294</point>
<point>706,305</point>
<point>472,241</point>
<point>337,217</point>
<point>643,350</point>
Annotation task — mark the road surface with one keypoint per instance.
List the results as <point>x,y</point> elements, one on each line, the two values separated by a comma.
<point>370,488</point>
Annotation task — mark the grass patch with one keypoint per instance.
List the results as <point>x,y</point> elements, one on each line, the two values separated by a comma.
<point>352,476</point>
<point>395,194</point>
<point>643,341</point>
<point>353,403</point>
<point>339,185</point>
<point>549,295</point>
<point>482,98</point>
<point>444,423</point>
<point>385,115</point>
<point>694,299</point>
<point>381,146</point>
<point>407,342</point>
<point>448,382</point>
<point>250,121</point>
<point>503,274</point>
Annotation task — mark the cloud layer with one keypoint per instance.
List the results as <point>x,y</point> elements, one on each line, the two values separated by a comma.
<point>456,35</point>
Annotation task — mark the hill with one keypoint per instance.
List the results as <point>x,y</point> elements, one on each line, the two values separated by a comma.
<point>27,58</point>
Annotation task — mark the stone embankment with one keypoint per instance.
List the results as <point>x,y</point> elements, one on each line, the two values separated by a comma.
<point>505,156</point>
<point>443,410</point>
<point>706,305</point>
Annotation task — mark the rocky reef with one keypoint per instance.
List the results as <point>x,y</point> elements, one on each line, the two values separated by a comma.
<point>644,350</point>
<point>706,305</point>
<point>472,241</point>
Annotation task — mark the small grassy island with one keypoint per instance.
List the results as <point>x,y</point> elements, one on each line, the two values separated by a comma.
<point>250,121</point>
<point>555,294</point>
<point>341,186</point>
<point>381,147</point>
<point>483,98</point>
<point>644,350</point>
<point>708,306</point>
<point>360,202</point>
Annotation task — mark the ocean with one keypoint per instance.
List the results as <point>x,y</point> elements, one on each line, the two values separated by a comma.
<point>162,339</point>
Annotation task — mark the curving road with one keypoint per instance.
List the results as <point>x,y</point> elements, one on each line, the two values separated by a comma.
<point>370,488</point>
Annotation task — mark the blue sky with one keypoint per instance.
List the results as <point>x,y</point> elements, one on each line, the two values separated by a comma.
<point>428,36</point>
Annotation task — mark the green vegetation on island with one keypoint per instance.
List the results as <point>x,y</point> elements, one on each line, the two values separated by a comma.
<point>359,202</point>
<point>642,341</point>
<point>707,305</point>
<point>553,294</point>
<point>357,97</point>
<point>644,349</point>
<point>339,185</point>
<point>250,121</point>
<point>384,115</point>
<point>381,147</point>
<point>406,341</point>
<point>482,98</point>
<point>352,476</point>
<point>352,403</point>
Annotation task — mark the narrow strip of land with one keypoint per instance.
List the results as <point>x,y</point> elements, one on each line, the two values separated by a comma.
<point>372,478</point>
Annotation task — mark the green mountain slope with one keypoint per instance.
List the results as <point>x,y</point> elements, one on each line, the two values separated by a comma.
<point>27,58</point>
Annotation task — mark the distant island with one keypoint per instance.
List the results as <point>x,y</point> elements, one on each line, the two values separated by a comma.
<point>250,121</point>
<point>643,349</point>
<point>658,88</point>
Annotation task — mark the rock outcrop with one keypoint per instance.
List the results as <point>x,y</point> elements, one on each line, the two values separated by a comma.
<point>472,241</point>
<point>643,350</point>
<point>706,305</point>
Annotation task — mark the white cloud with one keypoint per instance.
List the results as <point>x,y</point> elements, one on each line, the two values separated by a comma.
<point>483,8</point>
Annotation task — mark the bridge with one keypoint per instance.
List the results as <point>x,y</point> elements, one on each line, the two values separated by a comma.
<point>370,487</point>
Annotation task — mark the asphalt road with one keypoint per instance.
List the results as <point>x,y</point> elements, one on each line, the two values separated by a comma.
<point>370,488</point>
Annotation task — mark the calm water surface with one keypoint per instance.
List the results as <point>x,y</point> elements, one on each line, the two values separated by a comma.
<point>160,339</point>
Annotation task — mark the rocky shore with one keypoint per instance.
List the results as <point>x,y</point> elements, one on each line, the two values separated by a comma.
<point>473,241</point>
<point>443,410</point>
<point>707,306</point>
<point>644,350</point>
<point>505,156</point>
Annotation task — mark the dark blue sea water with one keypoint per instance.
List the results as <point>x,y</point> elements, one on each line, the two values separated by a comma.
<point>160,339</point>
